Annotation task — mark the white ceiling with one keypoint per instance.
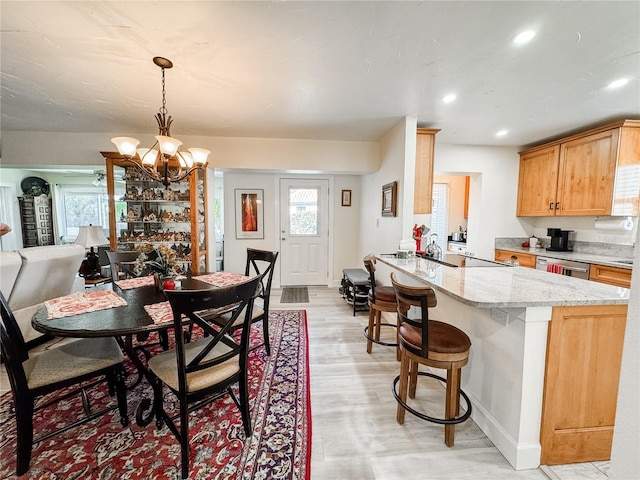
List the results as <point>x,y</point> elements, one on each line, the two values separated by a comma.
<point>323,70</point>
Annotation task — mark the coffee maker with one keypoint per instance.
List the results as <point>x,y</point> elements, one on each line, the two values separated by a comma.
<point>559,240</point>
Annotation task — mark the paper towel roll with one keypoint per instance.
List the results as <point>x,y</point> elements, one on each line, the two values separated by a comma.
<point>614,224</point>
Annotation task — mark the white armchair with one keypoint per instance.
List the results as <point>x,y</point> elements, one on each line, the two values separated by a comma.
<point>30,276</point>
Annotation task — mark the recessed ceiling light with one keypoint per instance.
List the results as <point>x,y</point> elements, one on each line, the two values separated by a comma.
<point>449,98</point>
<point>523,37</point>
<point>501,133</point>
<point>621,82</point>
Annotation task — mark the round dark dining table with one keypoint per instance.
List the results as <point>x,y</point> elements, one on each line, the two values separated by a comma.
<point>125,320</point>
<point>122,322</point>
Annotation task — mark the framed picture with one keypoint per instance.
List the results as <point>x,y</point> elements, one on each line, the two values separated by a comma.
<point>389,199</point>
<point>249,213</point>
<point>346,198</point>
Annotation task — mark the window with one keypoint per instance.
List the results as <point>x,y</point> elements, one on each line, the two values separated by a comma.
<point>84,206</point>
<point>440,213</point>
<point>303,211</point>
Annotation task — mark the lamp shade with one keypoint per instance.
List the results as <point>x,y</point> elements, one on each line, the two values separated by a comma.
<point>91,236</point>
<point>199,155</point>
<point>148,156</point>
<point>168,145</point>
<point>126,145</point>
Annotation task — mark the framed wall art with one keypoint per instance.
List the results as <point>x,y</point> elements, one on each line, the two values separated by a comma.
<point>249,213</point>
<point>346,198</point>
<point>389,199</point>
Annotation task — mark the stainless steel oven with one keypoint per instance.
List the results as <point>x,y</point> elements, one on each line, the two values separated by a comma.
<point>563,267</point>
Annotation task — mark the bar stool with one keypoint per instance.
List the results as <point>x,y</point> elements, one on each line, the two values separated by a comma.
<point>381,299</point>
<point>434,344</point>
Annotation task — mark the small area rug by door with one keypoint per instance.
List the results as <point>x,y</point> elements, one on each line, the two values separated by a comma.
<point>294,295</point>
<point>280,446</point>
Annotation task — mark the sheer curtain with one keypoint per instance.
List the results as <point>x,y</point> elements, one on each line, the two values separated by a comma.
<point>440,214</point>
<point>9,214</point>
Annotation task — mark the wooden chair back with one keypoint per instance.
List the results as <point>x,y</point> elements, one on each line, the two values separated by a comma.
<point>116,260</point>
<point>370,265</point>
<point>14,350</point>
<point>262,263</point>
<point>422,298</point>
<point>195,304</point>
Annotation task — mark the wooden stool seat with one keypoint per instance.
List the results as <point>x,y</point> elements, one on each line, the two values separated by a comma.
<point>434,344</point>
<point>383,294</point>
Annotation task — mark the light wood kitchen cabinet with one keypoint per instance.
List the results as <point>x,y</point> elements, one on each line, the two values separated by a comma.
<point>423,182</point>
<point>620,277</point>
<point>525,259</point>
<point>584,354</point>
<point>149,213</point>
<point>589,174</point>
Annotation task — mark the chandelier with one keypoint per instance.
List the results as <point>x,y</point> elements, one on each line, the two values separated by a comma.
<point>155,162</point>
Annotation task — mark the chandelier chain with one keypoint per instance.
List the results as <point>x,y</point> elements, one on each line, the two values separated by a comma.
<point>163,109</point>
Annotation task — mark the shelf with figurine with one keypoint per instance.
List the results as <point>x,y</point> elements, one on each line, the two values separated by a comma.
<point>155,214</point>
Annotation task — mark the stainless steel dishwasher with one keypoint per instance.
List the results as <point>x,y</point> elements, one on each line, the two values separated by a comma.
<point>568,268</point>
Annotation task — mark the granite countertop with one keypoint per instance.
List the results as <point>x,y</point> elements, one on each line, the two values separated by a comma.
<point>507,287</point>
<point>611,261</point>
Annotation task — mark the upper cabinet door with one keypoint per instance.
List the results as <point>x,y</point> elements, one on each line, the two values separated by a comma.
<point>538,182</point>
<point>423,186</point>
<point>587,173</point>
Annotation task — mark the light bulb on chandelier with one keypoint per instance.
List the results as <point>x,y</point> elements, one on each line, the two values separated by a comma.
<point>162,162</point>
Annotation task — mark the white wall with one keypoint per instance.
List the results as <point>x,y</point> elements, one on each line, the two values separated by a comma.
<point>26,149</point>
<point>493,191</point>
<point>625,462</point>
<point>345,232</point>
<point>397,163</point>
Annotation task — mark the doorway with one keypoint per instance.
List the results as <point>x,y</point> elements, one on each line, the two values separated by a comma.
<point>304,231</point>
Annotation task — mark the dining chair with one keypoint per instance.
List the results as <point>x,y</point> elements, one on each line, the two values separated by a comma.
<point>120,263</point>
<point>52,370</point>
<point>260,263</point>
<point>198,371</point>
<point>432,343</point>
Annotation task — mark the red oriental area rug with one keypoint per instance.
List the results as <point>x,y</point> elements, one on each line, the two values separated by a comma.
<point>280,446</point>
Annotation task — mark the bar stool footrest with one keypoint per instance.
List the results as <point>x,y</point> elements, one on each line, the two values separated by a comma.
<point>365,332</point>
<point>441,421</point>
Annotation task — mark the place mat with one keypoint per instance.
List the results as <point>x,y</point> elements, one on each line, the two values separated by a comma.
<point>222,279</point>
<point>140,282</point>
<point>160,312</point>
<point>82,303</point>
<point>135,282</point>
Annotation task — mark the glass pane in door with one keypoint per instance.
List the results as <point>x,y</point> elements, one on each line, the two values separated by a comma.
<point>303,211</point>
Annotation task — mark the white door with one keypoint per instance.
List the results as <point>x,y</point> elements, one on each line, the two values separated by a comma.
<point>304,231</point>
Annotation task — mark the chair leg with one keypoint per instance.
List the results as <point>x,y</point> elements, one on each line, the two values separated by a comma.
<point>121,394</point>
<point>452,403</point>
<point>157,402</point>
<point>244,404</point>
<point>184,436</point>
<point>404,381</point>
<point>414,379</point>
<point>24,428</point>
<point>370,329</point>
<point>398,338</point>
<point>378,321</point>
<point>265,333</point>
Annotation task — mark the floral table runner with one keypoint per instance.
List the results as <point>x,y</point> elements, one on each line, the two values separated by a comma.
<point>83,303</point>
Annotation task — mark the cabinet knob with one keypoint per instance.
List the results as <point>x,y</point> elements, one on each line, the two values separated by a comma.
<point>550,205</point>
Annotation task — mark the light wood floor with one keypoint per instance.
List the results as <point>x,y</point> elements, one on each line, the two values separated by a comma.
<point>354,432</point>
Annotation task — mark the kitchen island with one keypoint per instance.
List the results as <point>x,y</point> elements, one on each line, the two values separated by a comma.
<point>545,357</point>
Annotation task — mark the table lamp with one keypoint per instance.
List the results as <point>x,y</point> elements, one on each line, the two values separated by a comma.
<point>90,236</point>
